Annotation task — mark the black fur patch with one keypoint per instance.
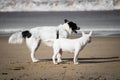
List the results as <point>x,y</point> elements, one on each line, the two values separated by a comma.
<point>73,26</point>
<point>26,34</point>
<point>65,20</point>
<point>57,35</point>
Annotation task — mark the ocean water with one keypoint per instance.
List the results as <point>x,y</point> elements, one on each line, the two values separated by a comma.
<point>102,23</point>
<point>58,5</point>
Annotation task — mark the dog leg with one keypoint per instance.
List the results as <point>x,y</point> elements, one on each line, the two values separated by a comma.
<point>59,56</point>
<point>32,44</point>
<point>53,58</point>
<point>75,57</point>
<point>33,57</point>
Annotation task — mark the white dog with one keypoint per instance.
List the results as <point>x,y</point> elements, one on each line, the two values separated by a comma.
<point>45,34</point>
<point>71,45</point>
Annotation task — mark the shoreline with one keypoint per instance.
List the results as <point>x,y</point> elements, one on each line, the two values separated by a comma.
<point>96,33</point>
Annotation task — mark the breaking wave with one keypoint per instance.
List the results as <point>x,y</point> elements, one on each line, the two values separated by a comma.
<point>58,5</point>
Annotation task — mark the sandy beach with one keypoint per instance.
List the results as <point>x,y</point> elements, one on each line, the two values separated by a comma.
<point>99,60</point>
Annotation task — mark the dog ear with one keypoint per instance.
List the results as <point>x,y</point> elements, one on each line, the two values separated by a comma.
<point>83,33</point>
<point>65,20</point>
<point>90,33</point>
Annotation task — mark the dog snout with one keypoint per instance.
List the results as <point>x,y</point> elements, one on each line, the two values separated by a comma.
<point>78,28</point>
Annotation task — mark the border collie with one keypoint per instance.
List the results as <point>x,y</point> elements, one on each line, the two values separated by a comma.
<point>45,34</point>
<point>71,45</point>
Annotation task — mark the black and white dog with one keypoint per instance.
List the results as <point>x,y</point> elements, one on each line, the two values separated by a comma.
<point>45,34</point>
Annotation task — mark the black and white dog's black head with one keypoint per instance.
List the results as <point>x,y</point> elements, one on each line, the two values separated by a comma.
<point>72,25</point>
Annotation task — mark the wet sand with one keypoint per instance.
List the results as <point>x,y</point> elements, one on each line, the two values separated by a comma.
<point>99,60</point>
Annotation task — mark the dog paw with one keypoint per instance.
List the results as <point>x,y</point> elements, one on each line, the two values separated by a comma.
<point>36,60</point>
<point>59,61</point>
<point>76,62</point>
<point>55,63</point>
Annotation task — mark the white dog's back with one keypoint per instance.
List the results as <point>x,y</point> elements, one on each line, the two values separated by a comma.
<point>65,44</point>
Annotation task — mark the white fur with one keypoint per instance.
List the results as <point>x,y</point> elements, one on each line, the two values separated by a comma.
<point>46,34</point>
<point>71,45</point>
<point>16,38</point>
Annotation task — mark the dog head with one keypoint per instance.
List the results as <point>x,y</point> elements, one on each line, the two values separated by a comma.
<point>87,36</point>
<point>72,25</point>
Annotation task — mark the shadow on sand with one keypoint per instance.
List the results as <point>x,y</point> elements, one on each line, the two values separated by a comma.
<point>90,60</point>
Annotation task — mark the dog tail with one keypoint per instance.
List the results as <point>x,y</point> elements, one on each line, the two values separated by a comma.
<point>17,38</point>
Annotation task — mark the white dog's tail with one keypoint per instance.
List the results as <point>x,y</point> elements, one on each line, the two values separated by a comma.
<point>17,38</point>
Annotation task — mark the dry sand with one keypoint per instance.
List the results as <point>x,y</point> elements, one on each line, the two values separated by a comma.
<point>99,60</point>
